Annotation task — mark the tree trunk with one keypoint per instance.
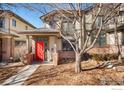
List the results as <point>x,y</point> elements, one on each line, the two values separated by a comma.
<point>119,57</point>
<point>117,43</point>
<point>77,63</point>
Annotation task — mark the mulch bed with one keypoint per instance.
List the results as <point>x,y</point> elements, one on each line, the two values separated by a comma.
<point>64,74</point>
<point>8,71</point>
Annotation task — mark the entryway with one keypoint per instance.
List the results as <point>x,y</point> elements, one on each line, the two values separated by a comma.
<point>41,49</point>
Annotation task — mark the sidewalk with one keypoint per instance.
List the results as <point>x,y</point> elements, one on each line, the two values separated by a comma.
<point>22,75</point>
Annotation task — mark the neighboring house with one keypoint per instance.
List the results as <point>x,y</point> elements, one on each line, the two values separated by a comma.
<point>10,40</point>
<point>109,42</point>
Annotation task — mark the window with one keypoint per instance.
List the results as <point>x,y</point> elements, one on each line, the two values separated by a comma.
<point>98,22</point>
<point>1,22</point>
<point>52,24</point>
<point>67,26</point>
<point>101,41</point>
<point>66,46</point>
<point>20,43</point>
<point>70,26</point>
<point>14,22</point>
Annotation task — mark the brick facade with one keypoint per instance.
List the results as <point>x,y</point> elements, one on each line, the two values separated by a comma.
<point>95,50</point>
<point>66,55</point>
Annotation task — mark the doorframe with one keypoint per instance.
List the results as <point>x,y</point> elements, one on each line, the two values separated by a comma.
<point>35,39</point>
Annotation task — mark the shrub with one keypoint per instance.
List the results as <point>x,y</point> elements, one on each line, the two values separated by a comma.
<point>104,57</point>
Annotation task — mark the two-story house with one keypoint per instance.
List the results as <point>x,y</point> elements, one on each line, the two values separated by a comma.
<point>109,43</point>
<point>48,37</point>
<point>10,40</point>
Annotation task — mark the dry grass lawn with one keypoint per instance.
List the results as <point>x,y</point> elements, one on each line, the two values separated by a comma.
<point>64,75</point>
<point>7,72</point>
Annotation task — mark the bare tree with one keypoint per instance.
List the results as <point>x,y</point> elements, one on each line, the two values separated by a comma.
<point>76,13</point>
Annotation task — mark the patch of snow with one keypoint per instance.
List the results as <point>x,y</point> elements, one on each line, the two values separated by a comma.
<point>110,66</point>
<point>3,63</point>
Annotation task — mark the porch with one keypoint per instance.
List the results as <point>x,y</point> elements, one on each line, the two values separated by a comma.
<point>42,45</point>
<point>6,46</point>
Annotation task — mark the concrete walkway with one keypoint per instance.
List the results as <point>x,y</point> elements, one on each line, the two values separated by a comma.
<point>22,75</point>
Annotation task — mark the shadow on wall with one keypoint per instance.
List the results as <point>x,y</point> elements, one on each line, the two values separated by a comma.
<point>86,56</point>
<point>69,56</point>
<point>19,51</point>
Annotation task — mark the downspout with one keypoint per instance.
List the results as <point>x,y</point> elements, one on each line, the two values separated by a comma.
<point>11,40</point>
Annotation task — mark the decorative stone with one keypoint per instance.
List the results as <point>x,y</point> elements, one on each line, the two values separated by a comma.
<point>110,66</point>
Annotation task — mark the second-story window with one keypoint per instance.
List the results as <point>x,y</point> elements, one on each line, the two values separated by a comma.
<point>101,41</point>
<point>52,24</point>
<point>98,21</point>
<point>67,26</point>
<point>1,22</point>
<point>14,22</point>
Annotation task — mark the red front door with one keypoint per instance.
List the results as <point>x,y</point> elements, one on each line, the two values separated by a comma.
<point>40,50</point>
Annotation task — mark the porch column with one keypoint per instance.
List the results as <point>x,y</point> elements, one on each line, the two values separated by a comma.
<point>12,44</point>
<point>27,42</point>
<point>6,48</point>
<point>53,48</point>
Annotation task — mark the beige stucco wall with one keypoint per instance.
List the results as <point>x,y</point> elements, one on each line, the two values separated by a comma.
<point>59,44</point>
<point>111,38</point>
<point>19,24</point>
<point>52,42</point>
<point>7,23</point>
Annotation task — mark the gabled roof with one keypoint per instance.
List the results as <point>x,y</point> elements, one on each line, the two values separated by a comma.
<point>20,18</point>
<point>54,12</point>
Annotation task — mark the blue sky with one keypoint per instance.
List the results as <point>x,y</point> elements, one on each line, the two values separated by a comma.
<point>33,12</point>
<point>30,16</point>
